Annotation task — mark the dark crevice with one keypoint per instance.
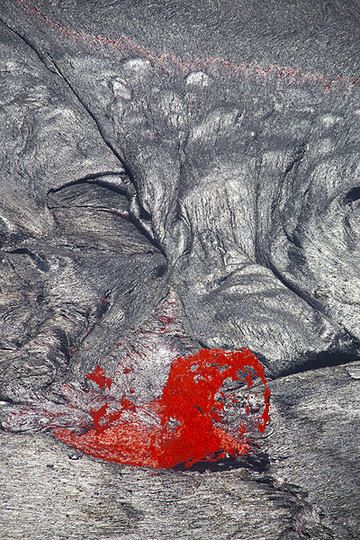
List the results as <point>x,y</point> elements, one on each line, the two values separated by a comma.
<point>143,214</point>
<point>66,343</point>
<point>353,195</point>
<point>320,360</point>
<point>326,359</point>
<point>90,113</point>
<point>159,271</point>
<point>89,178</point>
<point>258,462</point>
<point>137,222</point>
<point>6,401</point>
<point>30,45</point>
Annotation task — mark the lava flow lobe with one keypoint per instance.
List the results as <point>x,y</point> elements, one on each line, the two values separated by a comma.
<point>189,422</point>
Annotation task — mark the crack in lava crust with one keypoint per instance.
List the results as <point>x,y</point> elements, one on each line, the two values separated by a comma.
<point>188,422</point>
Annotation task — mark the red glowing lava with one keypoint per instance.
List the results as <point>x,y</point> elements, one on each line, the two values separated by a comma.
<point>98,377</point>
<point>185,424</point>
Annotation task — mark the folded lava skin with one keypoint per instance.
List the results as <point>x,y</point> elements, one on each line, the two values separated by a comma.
<point>178,176</point>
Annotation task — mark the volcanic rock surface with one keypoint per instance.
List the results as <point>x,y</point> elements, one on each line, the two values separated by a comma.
<point>179,175</point>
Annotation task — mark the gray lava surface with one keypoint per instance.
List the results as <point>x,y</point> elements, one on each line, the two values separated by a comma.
<point>178,175</point>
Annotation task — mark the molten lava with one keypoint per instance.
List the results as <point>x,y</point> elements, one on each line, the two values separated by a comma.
<point>186,424</point>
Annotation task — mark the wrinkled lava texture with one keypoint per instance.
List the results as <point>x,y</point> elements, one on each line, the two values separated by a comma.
<point>186,424</point>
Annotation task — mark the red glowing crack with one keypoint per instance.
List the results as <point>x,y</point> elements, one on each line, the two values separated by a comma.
<point>185,424</point>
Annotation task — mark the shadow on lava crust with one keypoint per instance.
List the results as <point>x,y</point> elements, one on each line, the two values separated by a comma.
<point>256,461</point>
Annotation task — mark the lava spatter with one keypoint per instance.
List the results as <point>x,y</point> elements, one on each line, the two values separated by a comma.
<point>187,423</point>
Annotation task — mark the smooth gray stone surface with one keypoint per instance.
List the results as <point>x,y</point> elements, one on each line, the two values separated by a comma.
<point>315,441</point>
<point>47,495</point>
